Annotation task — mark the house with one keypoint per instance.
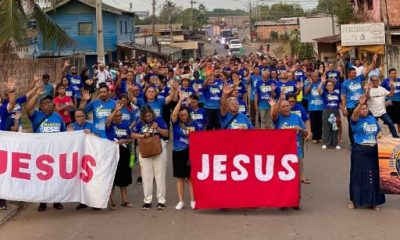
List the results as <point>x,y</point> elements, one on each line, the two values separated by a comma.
<point>78,19</point>
<point>282,26</point>
<point>327,47</point>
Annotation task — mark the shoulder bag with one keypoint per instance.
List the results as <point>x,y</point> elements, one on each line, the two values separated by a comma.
<point>150,146</point>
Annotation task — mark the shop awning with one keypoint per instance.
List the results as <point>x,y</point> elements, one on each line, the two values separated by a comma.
<point>379,49</point>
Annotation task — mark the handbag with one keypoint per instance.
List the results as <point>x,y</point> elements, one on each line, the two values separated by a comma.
<point>150,146</point>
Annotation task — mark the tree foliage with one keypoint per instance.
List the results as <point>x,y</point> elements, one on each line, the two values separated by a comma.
<point>280,10</point>
<point>14,18</point>
<point>340,8</point>
<point>302,50</point>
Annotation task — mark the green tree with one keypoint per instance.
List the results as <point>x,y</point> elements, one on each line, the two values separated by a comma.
<point>280,10</point>
<point>14,18</point>
<point>340,8</point>
<point>169,13</point>
<point>302,50</point>
<point>199,19</point>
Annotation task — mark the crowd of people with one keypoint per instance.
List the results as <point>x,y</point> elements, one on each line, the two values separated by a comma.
<point>133,100</point>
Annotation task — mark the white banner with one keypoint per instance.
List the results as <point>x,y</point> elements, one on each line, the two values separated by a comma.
<point>57,167</point>
<point>363,34</point>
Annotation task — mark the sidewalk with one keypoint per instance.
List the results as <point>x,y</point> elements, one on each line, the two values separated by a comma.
<point>12,209</point>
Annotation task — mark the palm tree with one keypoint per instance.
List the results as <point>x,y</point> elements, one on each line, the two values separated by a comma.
<point>14,17</point>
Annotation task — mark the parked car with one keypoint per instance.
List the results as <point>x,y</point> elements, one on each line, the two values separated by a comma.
<point>235,44</point>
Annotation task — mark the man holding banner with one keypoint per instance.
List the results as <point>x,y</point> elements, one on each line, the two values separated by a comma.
<point>44,120</point>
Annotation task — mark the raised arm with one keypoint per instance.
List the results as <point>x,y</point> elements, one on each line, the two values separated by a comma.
<point>85,99</point>
<point>321,85</point>
<point>356,113</point>
<point>371,66</point>
<point>226,93</point>
<point>30,106</point>
<point>174,115</point>
<point>111,117</point>
<point>173,93</point>
<point>12,97</point>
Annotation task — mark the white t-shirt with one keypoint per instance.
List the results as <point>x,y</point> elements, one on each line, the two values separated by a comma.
<point>359,70</point>
<point>376,103</point>
<point>102,76</point>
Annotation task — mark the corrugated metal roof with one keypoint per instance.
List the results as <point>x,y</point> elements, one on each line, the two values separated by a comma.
<point>91,3</point>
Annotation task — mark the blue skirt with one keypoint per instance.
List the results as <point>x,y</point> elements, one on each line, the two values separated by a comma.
<point>364,177</point>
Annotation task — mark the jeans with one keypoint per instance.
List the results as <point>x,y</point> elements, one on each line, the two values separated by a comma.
<point>386,120</point>
<point>266,119</point>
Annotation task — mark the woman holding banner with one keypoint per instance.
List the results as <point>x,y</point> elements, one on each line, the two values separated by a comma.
<point>154,167</point>
<point>364,171</point>
<point>182,125</point>
<point>119,131</point>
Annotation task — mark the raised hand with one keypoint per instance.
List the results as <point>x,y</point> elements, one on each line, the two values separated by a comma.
<point>227,90</point>
<point>375,57</point>
<point>299,85</point>
<point>154,125</point>
<point>272,102</point>
<point>181,95</point>
<point>17,115</point>
<point>362,99</point>
<point>66,63</point>
<point>86,95</point>
<point>10,84</point>
<point>119,106</point>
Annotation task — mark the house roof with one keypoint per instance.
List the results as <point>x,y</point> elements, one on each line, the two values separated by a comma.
<point>91,3</point>
<point>329,39</point>
<point>160,27</point>
<point>281,22</point>
<point>165,50</point>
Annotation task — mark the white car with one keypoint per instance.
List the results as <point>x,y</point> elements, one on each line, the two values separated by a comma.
<point>235,44</point>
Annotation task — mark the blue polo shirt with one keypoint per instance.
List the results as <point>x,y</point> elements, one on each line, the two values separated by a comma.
<point>352,90</point>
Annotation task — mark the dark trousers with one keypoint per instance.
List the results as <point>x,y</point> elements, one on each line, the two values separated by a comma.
<point>349,113</point>
<point>329,136</point>
<point>316,124</point>
<point>213,118</point>
<point>386,120</point>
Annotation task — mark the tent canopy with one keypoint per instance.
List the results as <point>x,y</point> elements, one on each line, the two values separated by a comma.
<point>379,49</point>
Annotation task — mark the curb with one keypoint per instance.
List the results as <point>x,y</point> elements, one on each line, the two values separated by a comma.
<point>12,210</point>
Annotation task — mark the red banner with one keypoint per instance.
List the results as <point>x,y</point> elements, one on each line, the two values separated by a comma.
<point>245,168</point>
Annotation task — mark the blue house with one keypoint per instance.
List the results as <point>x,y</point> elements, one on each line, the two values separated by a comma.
<point>78,19</point>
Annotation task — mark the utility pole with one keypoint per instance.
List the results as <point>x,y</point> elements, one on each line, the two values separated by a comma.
<point>153,22</point>
<point>251,19</point>
<point>191,14</point>
<point>100,38</point>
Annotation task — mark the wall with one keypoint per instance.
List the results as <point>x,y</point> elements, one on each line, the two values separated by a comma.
<point>264,32</point>
<point>393,8</point>
<point>24,70</point>
<point>312,28</point>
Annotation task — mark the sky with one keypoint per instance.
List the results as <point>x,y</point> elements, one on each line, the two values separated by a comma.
<point>145,5</point>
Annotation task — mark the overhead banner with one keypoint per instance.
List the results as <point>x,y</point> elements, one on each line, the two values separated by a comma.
<point>57,167</point>
<point>244,168</point>
<point>362,34</point>
<point>389,165</point>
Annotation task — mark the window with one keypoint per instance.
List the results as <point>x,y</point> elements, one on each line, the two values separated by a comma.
<point>126,27</point>
<point>85,29</point>
<point>370,4</point>
<point>120,27</point>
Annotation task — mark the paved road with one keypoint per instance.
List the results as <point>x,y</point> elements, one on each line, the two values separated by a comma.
<point>324,215</point>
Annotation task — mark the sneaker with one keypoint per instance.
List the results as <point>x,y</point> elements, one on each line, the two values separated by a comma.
<point>338,147</point>
<point>3,204</point>
<point>146,206</point>
<point>193,204</point>
<point>139,180</point>
<point>324,147</point>
<point>58,206</point>
<point>42,207</point>
<point>160,206</point>
<point>81,206</point>
<point>180,206</point>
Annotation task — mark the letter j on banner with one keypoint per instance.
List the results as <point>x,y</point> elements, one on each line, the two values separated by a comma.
<point>245,168</point>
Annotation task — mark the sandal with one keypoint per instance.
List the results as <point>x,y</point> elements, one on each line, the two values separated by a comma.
<point>127,204</point>
<point>351,206</point>
<point>305,180</point>
<point>113,207</point>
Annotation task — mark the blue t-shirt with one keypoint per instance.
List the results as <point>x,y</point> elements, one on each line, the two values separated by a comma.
<point>157,105</point>
<point>254,79</point>
<point>242,106</point>
<point>142,128</point>
<point>299,75</point>
<point>70,92</point>
<point>127,116</point>
<point>17,109</point>
<point>101,110</point>
<point>288,87</point>
<point>241,88</point>
<point>352,90</point>
<point>86,126</point>
<point>52,124</point>
<point>76,83</point>
<point>331,100</point>
<point>212,95</point>
<point>240,122</point>
<point>187,92</point>
<point>3,116</point>
<point>198,84</point>
<point>333,74</point>
<point>305,81</point>
<point>48,90</point>
<point>315,102</point>
<point>264,94</point>
<point>386,85</point>
<point>365,130</point>
<point>291,122</point>
<point>199,116</point>
<point>300,111</point>
<point>181,134</point>
<point>118,131</point>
